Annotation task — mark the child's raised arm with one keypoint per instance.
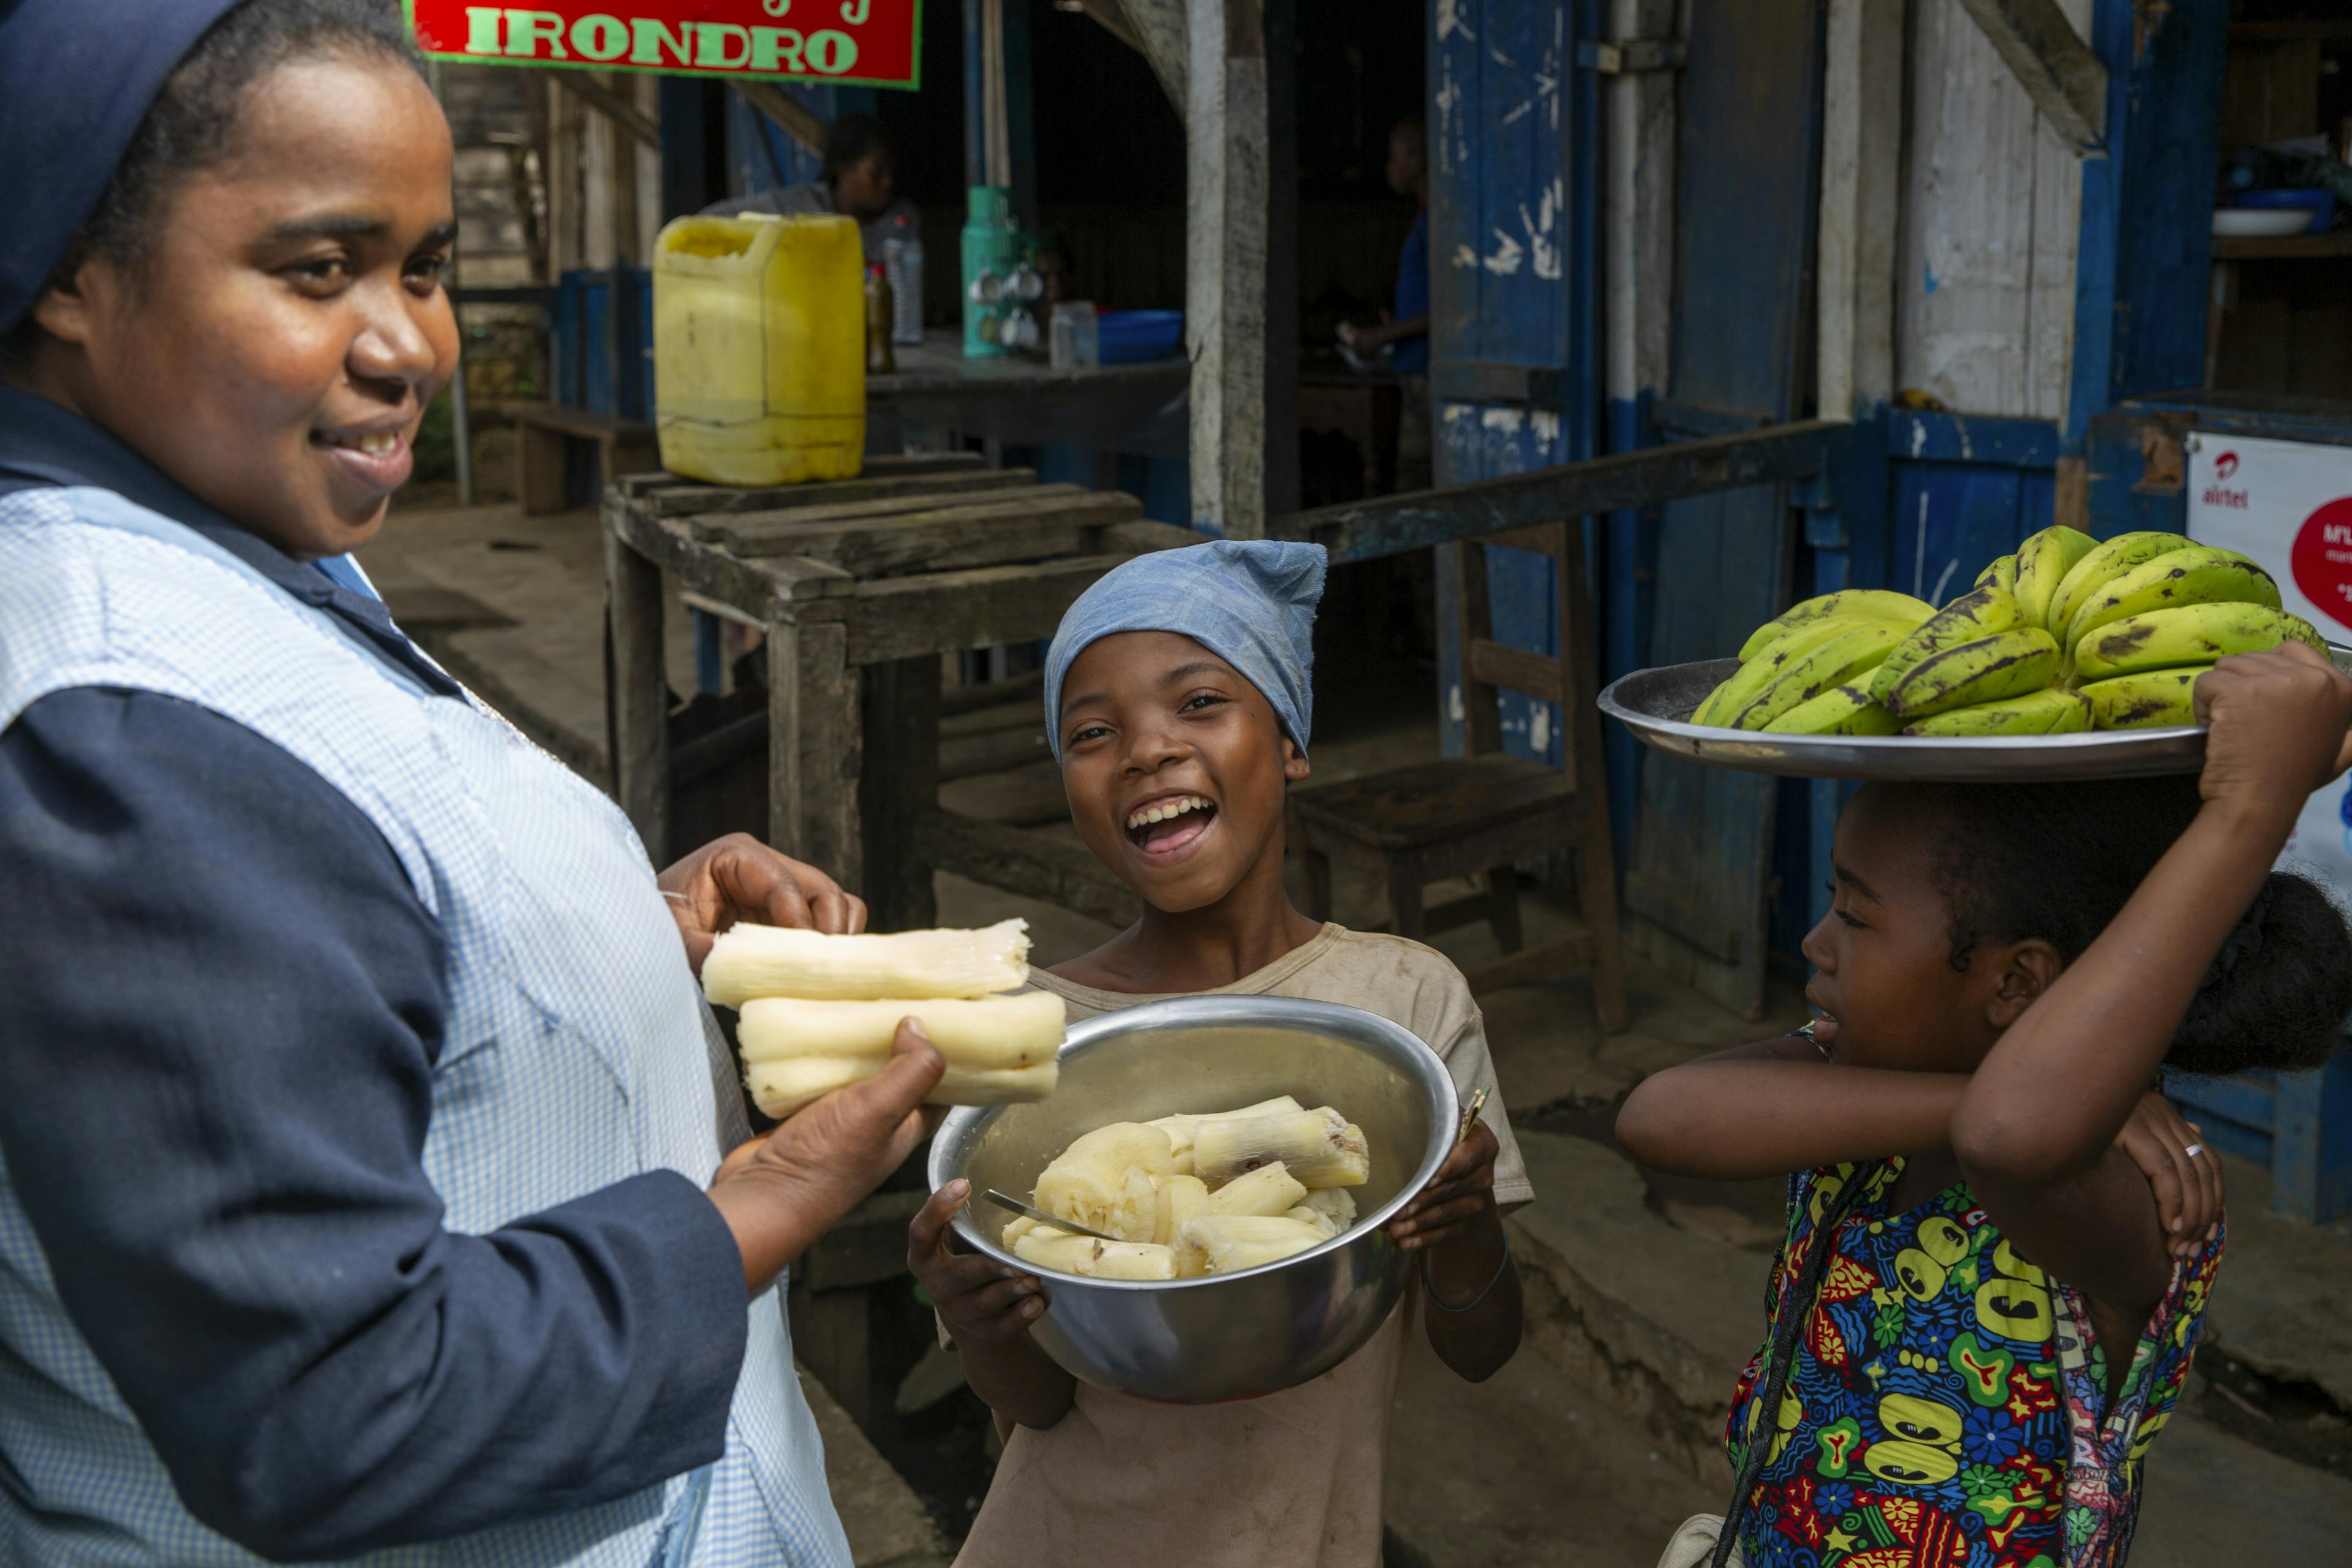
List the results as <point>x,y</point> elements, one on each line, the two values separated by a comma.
<point>2034,1129</point>
<point>1778,1106</point>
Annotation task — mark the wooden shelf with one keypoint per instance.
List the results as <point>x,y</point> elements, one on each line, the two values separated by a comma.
<point>2336,242</point>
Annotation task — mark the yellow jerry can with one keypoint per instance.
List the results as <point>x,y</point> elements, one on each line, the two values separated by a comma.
<point>759,349</point>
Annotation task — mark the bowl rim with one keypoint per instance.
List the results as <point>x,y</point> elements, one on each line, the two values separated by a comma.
<point>1207,1011</point>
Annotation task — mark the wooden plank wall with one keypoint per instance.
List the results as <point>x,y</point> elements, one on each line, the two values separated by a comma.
<point>1992,208</point>
<point>1499,76</point>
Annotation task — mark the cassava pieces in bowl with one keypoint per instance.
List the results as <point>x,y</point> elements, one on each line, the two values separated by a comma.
<point>1227,1336</point>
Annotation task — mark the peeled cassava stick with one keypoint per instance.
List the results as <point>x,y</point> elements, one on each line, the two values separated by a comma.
<point>750,960</point>
<point>998,1049</point>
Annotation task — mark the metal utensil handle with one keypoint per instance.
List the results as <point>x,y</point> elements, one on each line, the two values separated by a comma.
<point>1470,1117</point>
<point>1042,1217</point>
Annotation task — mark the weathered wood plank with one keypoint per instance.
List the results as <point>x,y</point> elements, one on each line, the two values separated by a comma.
<point>754,587</point>
<point>814,749</point>
<point>1022,688</point>
<point>711,498</point>
<point>1537,674</point>
<point>940,611</point>
<point>944,539</point>
<point>639,707</point>
<point>969,756</point>
<point>1393,525</point>
<point>2052,63</point>
<point>867,1246</point>
<point>723,526</point>
<point>1030,863</point>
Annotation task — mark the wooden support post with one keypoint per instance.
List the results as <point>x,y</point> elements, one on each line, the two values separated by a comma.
<point>1225,263</point>
<point>813,749</point>
<point>2052,64</point>
<point>1862,147</point>
<point>900,785</point>
<point>640,705</point>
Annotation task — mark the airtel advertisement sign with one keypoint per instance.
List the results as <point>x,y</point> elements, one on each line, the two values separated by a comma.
<point>2287,504</point>
<point>873,42</point>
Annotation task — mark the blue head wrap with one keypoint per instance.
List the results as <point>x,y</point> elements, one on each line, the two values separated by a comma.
<point>1250,601</point>
<point>77,77</point>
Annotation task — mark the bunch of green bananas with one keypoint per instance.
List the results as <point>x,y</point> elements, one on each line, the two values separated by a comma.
<point>2068,634</point>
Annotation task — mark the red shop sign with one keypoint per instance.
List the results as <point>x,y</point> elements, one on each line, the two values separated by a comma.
<point>872,42</point>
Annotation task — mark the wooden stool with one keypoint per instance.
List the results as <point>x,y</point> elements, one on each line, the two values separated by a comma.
<point>544,434</point>
<point>1481,814</point>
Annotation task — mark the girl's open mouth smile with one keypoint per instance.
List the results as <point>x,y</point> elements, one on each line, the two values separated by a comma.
<point>1166,827</point>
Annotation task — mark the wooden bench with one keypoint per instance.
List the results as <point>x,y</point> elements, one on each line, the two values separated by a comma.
<point>543,435</point>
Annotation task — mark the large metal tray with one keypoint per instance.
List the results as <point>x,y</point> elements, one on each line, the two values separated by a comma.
<point>1656,703</point>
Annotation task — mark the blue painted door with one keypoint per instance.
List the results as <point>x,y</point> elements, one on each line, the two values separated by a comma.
<point>1748,155</point>
<point>1511,320</point>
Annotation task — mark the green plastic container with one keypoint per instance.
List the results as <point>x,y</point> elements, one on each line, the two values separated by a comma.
<point>993,248</point>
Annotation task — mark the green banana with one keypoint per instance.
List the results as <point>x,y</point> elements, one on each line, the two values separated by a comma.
<point>1807,675</point>
<point>2006,664</point>
<point>2152,700</point>
<point>2184,635</point>
<point>1752,678</point>
<point>2001,575</point>
<point>2049,711</point>
<point>2042,562</point>
<point>1979,613</point>
<point>2199,574</point>
<point>1873,604</point>
<point>1840,710</point>
<point>2087,577</point>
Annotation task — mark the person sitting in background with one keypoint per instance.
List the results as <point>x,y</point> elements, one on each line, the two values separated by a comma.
<point>857,181</point>
<point>1406,331</point>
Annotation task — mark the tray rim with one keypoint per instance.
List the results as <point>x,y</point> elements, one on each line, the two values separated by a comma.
<point>1976,759</point>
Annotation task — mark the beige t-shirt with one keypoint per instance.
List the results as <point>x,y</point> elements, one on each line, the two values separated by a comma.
<point>1291,1481</point>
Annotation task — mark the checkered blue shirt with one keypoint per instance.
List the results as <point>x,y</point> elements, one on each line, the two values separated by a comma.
<point>576,1053</point>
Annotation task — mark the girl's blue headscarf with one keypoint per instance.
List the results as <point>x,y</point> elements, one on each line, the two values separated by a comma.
<point>77,77</point>
<point>1250,601</point>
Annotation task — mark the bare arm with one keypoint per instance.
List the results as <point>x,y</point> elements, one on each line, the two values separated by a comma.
<point>988,1308</point>
<point>2034,1130</point>
<point>1776,1106</point>
<point>1474,1313</point>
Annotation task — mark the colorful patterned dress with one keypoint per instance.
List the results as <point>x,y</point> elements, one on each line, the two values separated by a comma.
<point>1949,1406</point>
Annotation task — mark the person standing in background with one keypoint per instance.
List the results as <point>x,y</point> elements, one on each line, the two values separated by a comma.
<point>1406,331</point>
<point>858,180</point>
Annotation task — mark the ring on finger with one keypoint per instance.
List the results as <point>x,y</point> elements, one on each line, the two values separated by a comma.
<point>2194,1149</point>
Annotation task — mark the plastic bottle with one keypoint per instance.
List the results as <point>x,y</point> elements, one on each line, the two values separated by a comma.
<point>903,250</point>
<point>880,321</point>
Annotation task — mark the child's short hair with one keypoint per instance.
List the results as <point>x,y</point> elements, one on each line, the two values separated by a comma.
<point>2059,861</point>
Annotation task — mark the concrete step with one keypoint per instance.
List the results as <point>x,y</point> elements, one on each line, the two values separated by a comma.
<point>886,1523</point>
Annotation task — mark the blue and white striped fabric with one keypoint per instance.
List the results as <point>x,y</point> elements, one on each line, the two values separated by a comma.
<point>578,1049</point>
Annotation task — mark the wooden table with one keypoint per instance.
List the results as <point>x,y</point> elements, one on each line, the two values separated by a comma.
<point>861,585</point>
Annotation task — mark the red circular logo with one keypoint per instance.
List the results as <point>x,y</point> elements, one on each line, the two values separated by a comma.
<point>2225,465</point>
<point>2322,560</point>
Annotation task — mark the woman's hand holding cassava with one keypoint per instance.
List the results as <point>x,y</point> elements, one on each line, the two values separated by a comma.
<point>781,1192</point>
<point>2280,722</point>
<point>739,878</point>
<point>1461,1194</point>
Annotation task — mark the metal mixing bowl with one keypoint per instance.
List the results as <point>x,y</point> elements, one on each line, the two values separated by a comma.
<point>1234,1335</point>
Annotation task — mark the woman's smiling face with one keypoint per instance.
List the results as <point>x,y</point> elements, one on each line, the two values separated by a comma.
<point>275,350</point>
<point>1175,766</point>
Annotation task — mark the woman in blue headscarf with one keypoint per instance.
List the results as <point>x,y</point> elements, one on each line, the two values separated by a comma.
<point>367,1184</point>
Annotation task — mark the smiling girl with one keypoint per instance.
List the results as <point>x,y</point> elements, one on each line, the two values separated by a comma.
<point>1178,696</point>
<point>1983,1311</point>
